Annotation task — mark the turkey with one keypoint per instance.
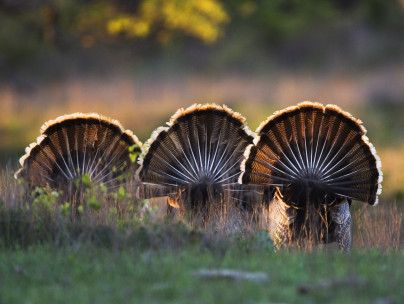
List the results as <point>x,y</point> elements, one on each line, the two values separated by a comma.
<point>314,160</point>
<point>75,145</point>
<point>195,161</point>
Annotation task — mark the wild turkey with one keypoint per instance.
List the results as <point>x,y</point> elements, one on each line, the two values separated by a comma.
<point>196,159</point>
<point>316,160</point>
<point>77,144</point>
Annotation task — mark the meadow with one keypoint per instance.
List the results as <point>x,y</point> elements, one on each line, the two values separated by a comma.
<point>138,62</point>
<point>117,251</point>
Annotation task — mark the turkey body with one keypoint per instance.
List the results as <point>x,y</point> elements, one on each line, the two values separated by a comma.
<point>310,161</point>
<point>316,159</point>
<point>196,159</point>
<point>75,145</point>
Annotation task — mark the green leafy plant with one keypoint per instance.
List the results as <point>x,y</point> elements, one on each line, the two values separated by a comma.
<point>134,152</point>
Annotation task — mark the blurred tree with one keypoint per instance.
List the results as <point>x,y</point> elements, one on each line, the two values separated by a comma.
<point>34,28</point>
<point>161,19</point>
<point>27,27</point>
<point>201,19</point>
<point>383,14</point>
<point>277,20</point>
<point>280,19</point>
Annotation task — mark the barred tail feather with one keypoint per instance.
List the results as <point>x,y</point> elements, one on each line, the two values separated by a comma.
<point>199,152</point>
<point>77,144</point>
<point>316,154</point>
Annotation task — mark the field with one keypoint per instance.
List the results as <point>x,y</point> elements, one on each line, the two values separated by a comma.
<point>116,254</point>
<point>140,61</point>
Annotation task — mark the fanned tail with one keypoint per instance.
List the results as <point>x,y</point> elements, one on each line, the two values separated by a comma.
<point>198,154</point>
<point>78,144</point>
<point>314,154</point>
<point>317,159</point>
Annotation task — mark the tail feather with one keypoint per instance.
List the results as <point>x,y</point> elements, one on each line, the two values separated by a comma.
<point>202,148</point>
<point>315,154</point>
<point>78,144</point>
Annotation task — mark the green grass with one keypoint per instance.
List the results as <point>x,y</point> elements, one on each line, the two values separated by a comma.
<point>110,254</point>
<point>88,274</point>
<point>99,258</point>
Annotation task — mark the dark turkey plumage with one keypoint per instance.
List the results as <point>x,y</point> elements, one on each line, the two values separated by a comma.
<point>74,145</point>
<point>196,159</point>
<point>317,159</point>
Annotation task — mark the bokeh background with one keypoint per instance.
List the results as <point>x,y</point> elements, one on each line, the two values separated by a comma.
<point>139,61</point>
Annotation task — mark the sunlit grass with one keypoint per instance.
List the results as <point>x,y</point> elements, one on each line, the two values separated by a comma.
<point>29,215</point>
<point>144,103</point>
<point>111,253</point>
<point>115,251</point>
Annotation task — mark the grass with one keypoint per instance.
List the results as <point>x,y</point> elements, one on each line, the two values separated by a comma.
<point>106,256</point>
<point>90,274</point>
<point>116,253</point>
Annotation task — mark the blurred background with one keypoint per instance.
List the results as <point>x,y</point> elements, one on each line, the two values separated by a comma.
<point>139,61</point>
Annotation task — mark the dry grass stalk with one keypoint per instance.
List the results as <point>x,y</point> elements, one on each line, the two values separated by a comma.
<point>378,227</point>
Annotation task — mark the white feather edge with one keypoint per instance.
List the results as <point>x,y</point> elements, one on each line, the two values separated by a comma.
<point>181,112</point>
<point>147,145</point>
<point>93,115</point>
<point>249,132</point>
<point>76,115</point>
<point>62,118</point>
<point>314,105</point>
<point>367,142</point>
<point>324,108</point>
<point>289,109</point>
<point>378,166</point>
<point>201,107</point>
<point>135,139</point>
<point>242,164</point>
<point>28,150</point>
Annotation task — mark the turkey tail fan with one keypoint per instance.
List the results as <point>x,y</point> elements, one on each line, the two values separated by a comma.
<point>77,144</point>
<point>197,157</point>
<point>317,159</point>
<point>314,153</point>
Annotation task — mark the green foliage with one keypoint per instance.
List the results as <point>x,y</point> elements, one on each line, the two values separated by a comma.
<point>280,19</point>
<point>134,152</point>
<point>121,192</point>
<point>30,30</point>
<point>65,208</point>
<point>93,203</point>
<point>86,179</point>
<point>382,14</point>
<point>20,37</point>
<point>46,215</point>
<point>201,19</point>
<point>44,198</point>
<point>80,209</point>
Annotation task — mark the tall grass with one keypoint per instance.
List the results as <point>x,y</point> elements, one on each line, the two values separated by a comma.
<point>111,218</point>
<point>117,219</point>
<point>379,227</point>
<point>30,215</point>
